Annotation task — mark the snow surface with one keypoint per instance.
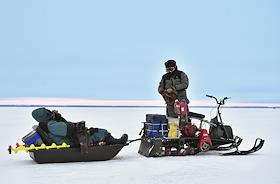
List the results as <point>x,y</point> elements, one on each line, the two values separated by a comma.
<point>130,167</point>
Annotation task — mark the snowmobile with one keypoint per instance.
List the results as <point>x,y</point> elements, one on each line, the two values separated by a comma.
<point>46,151</point>
<point>191,140</point>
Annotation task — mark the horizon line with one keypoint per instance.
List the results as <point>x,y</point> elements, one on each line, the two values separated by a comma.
<point>76,102</point>
<point>124,106</point>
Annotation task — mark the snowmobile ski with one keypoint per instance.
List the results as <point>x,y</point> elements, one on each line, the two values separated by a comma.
<point>235,144</point>
<point>257,146</point>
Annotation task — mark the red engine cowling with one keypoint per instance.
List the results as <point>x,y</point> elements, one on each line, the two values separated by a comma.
<point>177,106</point>
<point>204,143</point>
<point>190,130</point>
<point>181,108</point>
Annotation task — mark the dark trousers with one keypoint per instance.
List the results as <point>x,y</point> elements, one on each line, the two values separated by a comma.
<point>170,111</point>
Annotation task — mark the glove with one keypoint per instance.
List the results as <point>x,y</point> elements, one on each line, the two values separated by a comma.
<point>169,98</point>
<point>169,90</point>
<point>170,95</point>
<point>56,115</point>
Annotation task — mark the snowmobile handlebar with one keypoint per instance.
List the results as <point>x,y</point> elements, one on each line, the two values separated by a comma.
<point>221,102</point>
<point>213,97</point>
<point>225,98</point>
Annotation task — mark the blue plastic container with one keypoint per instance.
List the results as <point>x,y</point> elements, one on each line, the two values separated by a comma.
<point>32,138</point>
<point>157,125</point>
<point>156,130</point>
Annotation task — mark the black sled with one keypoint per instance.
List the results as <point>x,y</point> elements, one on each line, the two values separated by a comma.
<point>71,154</point>
<point>95,153</point>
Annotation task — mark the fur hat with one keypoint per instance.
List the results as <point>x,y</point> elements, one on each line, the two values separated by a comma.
<point>42,115</point>
<point>170,63</point>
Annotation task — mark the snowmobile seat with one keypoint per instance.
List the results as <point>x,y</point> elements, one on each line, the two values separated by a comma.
<point>44,136</point>
<point>196,115</point>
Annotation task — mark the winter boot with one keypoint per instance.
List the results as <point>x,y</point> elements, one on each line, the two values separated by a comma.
<point>111,140</point>
<point>124,138</point>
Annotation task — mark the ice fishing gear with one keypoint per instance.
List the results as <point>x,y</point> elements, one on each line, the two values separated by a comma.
<point>193,139</point>
<point>32,147</point>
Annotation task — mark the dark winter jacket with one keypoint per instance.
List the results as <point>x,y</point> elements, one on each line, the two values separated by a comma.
<point>177,80</point>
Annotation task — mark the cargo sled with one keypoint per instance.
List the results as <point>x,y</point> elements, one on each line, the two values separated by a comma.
<point>188,139</point>
<point>48,152</point>
<point>95,153</point>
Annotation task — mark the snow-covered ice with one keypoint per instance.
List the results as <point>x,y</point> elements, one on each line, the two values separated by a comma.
<point>130,167</point>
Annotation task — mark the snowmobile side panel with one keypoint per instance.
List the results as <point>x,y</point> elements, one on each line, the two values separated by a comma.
<point>145,147</point>
<point>229,132</point>
<point>150,147</point>
<point>95,153</point>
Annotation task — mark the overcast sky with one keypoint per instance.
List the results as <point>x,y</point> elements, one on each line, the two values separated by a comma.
<point>117,49</point>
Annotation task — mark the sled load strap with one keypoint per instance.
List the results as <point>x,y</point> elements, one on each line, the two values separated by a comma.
<point>45,137</point>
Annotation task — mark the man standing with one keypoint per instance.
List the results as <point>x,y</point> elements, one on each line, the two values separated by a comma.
<point>173,86</point>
